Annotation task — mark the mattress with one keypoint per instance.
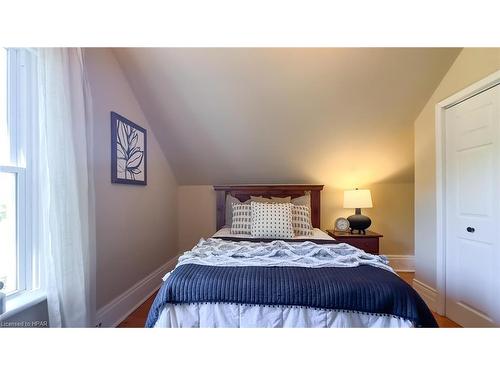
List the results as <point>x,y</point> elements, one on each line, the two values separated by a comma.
<point>318,234</point>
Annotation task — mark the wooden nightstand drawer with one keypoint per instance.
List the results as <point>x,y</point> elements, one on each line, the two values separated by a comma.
<point>368,242</point>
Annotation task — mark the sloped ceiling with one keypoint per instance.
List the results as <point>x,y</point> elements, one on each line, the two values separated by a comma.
<point>338,116</point>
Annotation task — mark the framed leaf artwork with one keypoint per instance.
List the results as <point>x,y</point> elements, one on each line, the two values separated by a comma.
<point>128,151</point>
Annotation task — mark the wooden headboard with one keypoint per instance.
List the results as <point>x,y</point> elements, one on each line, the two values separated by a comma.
<point>243,192</point>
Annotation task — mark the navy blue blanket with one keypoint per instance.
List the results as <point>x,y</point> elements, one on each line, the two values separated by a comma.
<point>363,289</point>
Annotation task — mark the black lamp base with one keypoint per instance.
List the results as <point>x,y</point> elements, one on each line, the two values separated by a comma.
<point>359,222</point>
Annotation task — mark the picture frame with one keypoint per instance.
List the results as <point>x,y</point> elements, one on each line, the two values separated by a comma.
<point>128,151</point>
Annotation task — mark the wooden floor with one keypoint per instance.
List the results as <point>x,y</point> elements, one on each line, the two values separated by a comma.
<point>138,318</point>
<point>443,321</point>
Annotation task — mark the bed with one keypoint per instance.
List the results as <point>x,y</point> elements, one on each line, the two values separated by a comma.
<point>236,280</point>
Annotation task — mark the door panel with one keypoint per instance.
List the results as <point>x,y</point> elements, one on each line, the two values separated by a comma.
<point>472,205</point>
<point>475,180</point>
<point>474,126</point>
<point>471,258</point>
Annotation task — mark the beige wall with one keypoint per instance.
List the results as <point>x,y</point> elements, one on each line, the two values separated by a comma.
<point>392,214</point>
<point>136,225</point>
<point>471,65</point>
<point>196,214</point>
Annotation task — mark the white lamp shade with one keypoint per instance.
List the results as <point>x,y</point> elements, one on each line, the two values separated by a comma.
<point>358,199</point>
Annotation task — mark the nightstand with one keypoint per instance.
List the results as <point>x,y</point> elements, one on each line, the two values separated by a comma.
<point>368,242</point>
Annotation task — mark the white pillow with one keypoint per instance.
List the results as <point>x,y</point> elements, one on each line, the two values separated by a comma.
<point>242,219</point>
<point>271,220</point>
<point>261,199</point>
<point>301,221</point>
<point>304,200</point>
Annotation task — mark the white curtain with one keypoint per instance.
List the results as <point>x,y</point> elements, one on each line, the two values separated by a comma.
<point>64,196</point>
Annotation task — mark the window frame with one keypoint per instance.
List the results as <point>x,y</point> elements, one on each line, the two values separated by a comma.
<point>21,96</point>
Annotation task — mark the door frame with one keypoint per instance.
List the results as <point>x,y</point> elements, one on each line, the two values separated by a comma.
<point>474,89</point>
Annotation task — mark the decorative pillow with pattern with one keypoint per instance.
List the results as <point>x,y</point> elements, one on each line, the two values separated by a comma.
<point>301,221</point>
<point>271,220</point>
<point>242,219</point>
<point>229,208</point>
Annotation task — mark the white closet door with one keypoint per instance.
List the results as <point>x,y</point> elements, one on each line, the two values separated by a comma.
<point>472,210</point>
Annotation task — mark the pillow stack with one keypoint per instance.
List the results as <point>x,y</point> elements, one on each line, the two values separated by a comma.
<point>271,218</point>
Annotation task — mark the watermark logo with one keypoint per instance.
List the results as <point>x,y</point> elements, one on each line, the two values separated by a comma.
<point>25,324</point>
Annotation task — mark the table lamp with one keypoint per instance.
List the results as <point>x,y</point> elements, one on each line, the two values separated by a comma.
<point>358,199</point>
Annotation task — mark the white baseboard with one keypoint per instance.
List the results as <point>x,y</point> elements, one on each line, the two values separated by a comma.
<point>428,294</point>
<point>402,263</point>
<point>122,306</point>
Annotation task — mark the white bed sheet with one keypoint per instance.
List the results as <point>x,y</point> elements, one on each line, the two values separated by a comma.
<point>228,315</point>
<point>318,234</point>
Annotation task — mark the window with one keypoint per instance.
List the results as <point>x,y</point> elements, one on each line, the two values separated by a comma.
<point>18,268</point>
